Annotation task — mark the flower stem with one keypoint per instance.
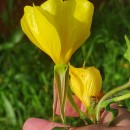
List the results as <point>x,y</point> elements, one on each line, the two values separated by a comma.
<point>115,99</point>
<point>108,95</point>
<point>121,97</point>
<point>61,83</point>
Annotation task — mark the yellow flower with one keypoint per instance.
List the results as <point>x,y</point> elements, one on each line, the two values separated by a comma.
<point>85,83</point>
<point>58,27</point>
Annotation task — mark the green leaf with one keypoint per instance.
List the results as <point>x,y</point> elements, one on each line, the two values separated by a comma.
<point>114,112</point>
<point>9,109</point>
<point>16,37</point>
<point>6,46</point>
<point>78,123</point>
<point>127,54</point>
<point>61,128</point>
<point>82,122</point>
<point>127,103</point>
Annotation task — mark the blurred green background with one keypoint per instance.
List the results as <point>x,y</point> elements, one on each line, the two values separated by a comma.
<point>26,73</point>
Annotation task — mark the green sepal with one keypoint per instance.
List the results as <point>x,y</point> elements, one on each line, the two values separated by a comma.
<point>114,112</point>
<point>127,54</point>
<point>61,81</point>
<point>90,110</point>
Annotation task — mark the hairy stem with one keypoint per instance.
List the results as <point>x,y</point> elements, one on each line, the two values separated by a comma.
<point>108,95</point>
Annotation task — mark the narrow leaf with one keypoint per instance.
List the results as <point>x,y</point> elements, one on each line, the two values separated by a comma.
<point>9,109</point>
<point>114,112</point>
<point>61,128</point>
<point>127,54</point>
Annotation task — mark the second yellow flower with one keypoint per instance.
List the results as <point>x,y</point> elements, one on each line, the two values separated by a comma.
<point>85,83</point>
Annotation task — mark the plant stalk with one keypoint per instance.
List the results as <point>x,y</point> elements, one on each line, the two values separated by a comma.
<point>108,95</point>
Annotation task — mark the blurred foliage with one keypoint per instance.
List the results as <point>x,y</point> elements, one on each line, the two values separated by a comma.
<point>24,82</point>
<point>127,53</point>
<point>26,73</point>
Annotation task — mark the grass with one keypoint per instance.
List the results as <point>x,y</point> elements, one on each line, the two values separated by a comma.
<point>26,73</point>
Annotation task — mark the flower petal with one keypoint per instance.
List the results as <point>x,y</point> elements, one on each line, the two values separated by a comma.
<point>85,83</point>
<point>75,82</point>
<point>76,29</point>
<point>27,31</point>
<point>59,27</point>
<point>93,82</point>
<point>43,31</point>
<point>72,19</point>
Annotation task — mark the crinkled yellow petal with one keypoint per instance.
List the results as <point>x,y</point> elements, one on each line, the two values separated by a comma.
<point>93,82</point>
<point>86,100</point>
<point>85,83</point>
<point>76,83</point>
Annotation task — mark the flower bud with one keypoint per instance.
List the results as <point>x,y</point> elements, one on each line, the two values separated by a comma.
<point>85,83</point>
